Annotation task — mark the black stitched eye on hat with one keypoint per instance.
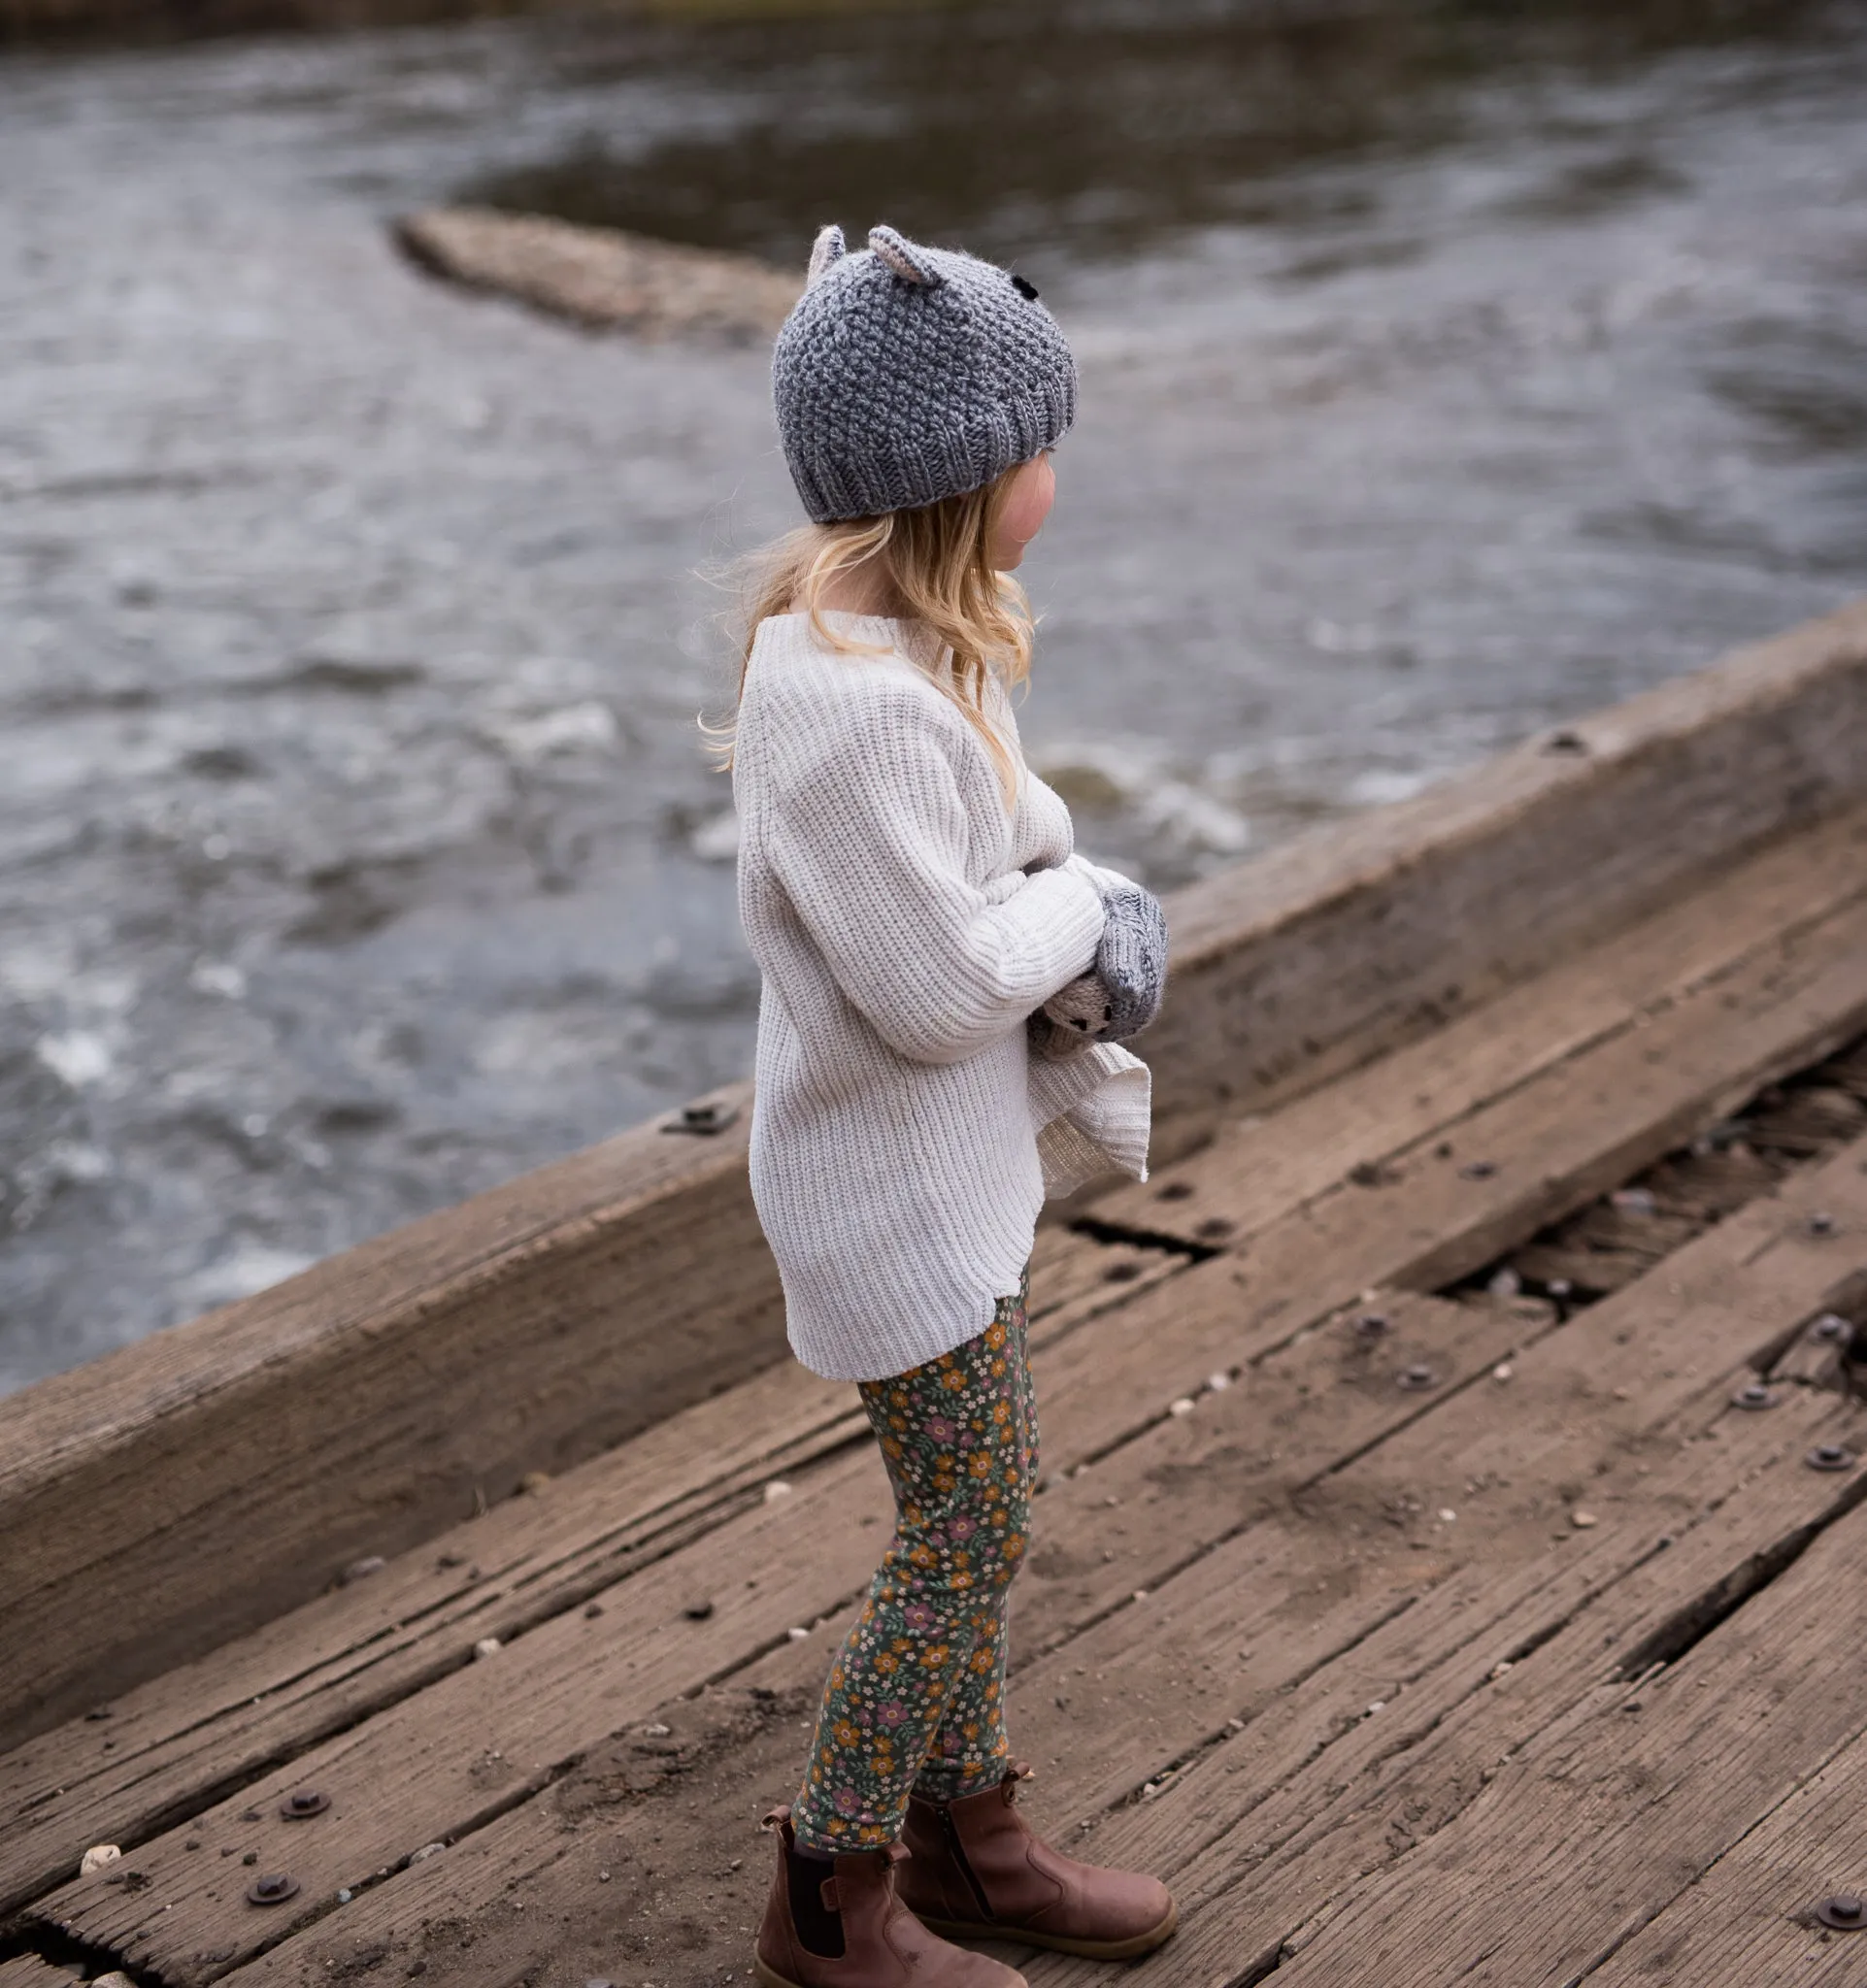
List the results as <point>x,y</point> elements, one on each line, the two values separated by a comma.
<point>1025,287</point>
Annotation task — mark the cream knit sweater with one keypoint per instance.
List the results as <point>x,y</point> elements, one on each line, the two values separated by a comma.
<point>905,924</point>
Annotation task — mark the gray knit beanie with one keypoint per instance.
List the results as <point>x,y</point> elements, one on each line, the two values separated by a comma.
<point>905,375</point>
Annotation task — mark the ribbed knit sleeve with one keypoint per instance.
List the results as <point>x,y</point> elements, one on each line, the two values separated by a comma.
<point>869,835</point>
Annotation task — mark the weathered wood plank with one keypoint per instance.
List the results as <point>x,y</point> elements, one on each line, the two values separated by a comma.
<point>1572,1132</point>
<point>212,1476</point>
<point>1099,1386</point>
<point>30,1972</point>
<point>1461,1626</point>
<point>1621,1806</point>
<point>558,1696</point>
<point>1749,1918</point>
<point>1257,1168</point>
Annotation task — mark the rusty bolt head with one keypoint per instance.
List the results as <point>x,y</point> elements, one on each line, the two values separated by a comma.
<point>1832,1329</point>
<point>1372,1324</point>
<point>1843,1912</point>
<point>1753,1396</point>
<point>1821,1224</point>
<point>274,1889</point>
<point>1831,1456</point>
<point>304,1801</point>
<point>1417,1380</point>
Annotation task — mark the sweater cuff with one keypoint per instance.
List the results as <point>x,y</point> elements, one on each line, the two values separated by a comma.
<point>1062,918</point>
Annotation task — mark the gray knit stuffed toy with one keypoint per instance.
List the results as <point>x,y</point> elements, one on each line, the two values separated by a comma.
<point>905,375</point>
<point>1121,993</point>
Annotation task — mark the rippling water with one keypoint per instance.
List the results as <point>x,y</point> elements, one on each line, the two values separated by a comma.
<point>1446,369</point>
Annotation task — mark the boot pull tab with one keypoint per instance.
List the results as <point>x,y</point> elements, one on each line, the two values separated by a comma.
<point>895,1853</point>
<point>776,1818</point>
<point>1017,1771</point>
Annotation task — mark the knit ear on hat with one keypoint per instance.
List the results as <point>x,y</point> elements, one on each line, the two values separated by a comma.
<point>903,257</point>
<point>824,250</point>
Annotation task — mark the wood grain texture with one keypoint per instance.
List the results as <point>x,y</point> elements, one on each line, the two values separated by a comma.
<point>1132,1689</point>
<point>208,1477</point>
<point>1621,1806</point>
<point>1749,1918</point>
<point>1103,1383</point>
<point>1263,1164</point>
<point>29,1972</point>
<point>572,1681</point>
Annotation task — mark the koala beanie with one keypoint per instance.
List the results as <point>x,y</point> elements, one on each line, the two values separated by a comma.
<point>905,375</point>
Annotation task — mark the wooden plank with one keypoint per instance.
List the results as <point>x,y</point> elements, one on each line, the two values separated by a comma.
<point>210,1477</point>
<point>551,1709</point>
<point>1257,1169</point>
<point>30,1972</point>
<point>1619,1807</point>
<point>318,1669</point>
<point>1475,1617</point>
<point>1572,1133</point>
<point>1292,968</point>
<point>1749,1918</point>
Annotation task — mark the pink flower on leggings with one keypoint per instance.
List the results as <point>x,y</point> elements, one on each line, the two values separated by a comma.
<point>892,1713</point>
<point>918,1615</point>
<point>942,1429</point>
<point>848,1801</point>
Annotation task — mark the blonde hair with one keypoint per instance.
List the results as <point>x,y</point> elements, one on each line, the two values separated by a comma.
<point>934,564</point>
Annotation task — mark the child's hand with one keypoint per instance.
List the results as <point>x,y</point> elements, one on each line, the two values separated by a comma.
<point>1121,995</point>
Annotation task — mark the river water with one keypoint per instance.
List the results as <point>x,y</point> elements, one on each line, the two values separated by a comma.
<point>1448,369</point>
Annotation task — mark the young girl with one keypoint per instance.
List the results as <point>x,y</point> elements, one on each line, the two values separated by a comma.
<point>943,980</point>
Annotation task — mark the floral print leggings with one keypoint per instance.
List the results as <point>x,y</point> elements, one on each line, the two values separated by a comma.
<point>914,1701</point>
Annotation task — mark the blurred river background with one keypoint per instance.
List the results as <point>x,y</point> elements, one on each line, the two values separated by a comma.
<point>1448,369</point>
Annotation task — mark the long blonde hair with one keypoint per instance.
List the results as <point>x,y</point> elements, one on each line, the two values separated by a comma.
<point>935,565</point>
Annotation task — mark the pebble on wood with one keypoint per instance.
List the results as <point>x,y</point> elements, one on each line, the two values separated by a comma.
<point>96,1857</point>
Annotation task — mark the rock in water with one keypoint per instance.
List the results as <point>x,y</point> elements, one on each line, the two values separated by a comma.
<point>601,276</point>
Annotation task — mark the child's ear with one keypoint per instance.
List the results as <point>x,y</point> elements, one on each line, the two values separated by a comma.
<point>824,250</point>
<point>902,256</point>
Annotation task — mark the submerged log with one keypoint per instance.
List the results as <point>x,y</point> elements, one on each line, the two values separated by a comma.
<point>602,277</point>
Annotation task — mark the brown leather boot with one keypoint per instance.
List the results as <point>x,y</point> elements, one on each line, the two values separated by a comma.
<point>840,1925</point>
<point>980,1870</point>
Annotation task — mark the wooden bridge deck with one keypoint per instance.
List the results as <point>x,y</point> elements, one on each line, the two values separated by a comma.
<point>1408,1588</point>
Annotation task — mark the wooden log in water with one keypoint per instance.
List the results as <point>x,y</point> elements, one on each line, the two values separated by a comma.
<point>603,278</point>
<point>214,1476</point>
